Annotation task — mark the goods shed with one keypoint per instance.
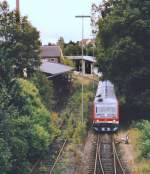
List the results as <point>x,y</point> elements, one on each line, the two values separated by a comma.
<point>88,63</point>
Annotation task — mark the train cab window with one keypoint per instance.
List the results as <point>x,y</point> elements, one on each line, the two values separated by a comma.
<point>100,99</point>
<point>52,60</point>
<point>98,95</point>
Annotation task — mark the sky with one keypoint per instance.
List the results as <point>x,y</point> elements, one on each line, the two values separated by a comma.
<point>56,18</point>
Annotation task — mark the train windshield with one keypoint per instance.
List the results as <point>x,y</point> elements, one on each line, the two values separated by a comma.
<point>106,111</point>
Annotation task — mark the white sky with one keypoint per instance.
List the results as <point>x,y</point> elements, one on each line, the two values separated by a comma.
<point>55,18</point>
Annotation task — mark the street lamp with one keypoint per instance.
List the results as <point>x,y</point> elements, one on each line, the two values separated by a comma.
<point>82,17</point>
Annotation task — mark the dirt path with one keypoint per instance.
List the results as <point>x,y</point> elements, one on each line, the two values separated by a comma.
<point>126,151</point>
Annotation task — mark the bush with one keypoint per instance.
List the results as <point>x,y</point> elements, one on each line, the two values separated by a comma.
<point>79,132</point>
<point>75,129</point>
<point>5,160</point>
<point>25,126</point>
<point>45,88</point>
<point>68,62</point>
<point>38,117</point>
<point>144,127</point>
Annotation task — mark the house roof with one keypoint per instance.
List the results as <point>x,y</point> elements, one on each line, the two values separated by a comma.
<point>87,58</point>
<point>50,51</point>
<point>87,41</point>
<point>54,68</point>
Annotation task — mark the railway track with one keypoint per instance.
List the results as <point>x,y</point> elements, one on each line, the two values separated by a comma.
<point>105,159</point>
<point>51,170</point>
<point>48,162</point>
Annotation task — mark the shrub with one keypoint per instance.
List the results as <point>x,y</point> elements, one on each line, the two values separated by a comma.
<point>45,88</point>
<point>26,126</point>
<point>5,159</point>
<point>144,127</point>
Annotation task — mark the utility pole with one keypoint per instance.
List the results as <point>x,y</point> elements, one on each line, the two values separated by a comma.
<point>17,6</point>
<point>18,12</point>
<point>82,17</point>
<point>93,37</point>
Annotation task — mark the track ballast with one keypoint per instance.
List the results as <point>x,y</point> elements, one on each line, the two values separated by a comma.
<point>104,158</point>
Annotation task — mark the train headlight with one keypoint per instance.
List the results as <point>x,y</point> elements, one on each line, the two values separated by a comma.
<point>115,128</point>
<point>103,129</point>
<point>108,129</point>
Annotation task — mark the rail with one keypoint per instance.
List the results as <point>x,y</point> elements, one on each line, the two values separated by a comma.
<point>60,152</point>
<point>47,161</point>
<point>106,158</point>
<point>118,159</point>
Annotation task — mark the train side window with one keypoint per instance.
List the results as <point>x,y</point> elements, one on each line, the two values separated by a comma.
<point>96,109</point>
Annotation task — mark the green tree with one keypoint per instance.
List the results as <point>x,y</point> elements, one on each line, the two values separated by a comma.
<point>19,45</point>
<point>25,127</point>
<point>25,123</point>
<point>45,88</point>
<point>72,49</point>
<point>123,51</point>
<point>61,43</point>
<point>144,127</point>
<point>90,50</point>
<point>5,160</point>
<point>6,111</point>
<point>30,107</point>
<point>33,132</point>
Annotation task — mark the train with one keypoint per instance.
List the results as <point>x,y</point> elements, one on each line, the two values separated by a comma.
<point>105,115</point>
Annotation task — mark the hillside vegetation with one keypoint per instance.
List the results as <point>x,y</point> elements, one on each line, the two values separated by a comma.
<point>73,129</point>
<point>26,129</point>
<point>144,128</point>
<point>123,49</point>
<point>140,140</point>
<point>123,52</point>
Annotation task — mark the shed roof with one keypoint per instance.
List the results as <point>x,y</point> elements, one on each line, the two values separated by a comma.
<point>54,68</point>
<point>87,58</point>
<point>50,51</point>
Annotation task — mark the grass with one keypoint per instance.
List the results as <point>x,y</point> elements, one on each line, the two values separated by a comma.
<point>142,166</point>
<point>86,79</point>
<point>75,131</point>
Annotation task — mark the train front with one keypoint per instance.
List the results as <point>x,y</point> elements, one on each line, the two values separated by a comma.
<point>105,111</point>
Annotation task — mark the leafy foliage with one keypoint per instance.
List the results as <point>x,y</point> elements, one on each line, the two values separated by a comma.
<point>25,123</point>
<point>5,161</point>
<point>79,133</point>
<point>6,129</point>
<point>19,45</point>
<point>61,43</point>
<point>25,126</point>
<point>123,50</point>
<point>34,112</point>
<point>68,62</point>
<point>75,129</point>
<point>45,88</point>
<point>74,49</point>
<point>62,88</point>
<point>144,127</point>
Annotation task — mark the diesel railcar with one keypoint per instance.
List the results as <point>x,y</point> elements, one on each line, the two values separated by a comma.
<point>105,115</point>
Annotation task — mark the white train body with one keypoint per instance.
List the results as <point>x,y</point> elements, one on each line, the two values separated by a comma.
<point>105,109</point>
